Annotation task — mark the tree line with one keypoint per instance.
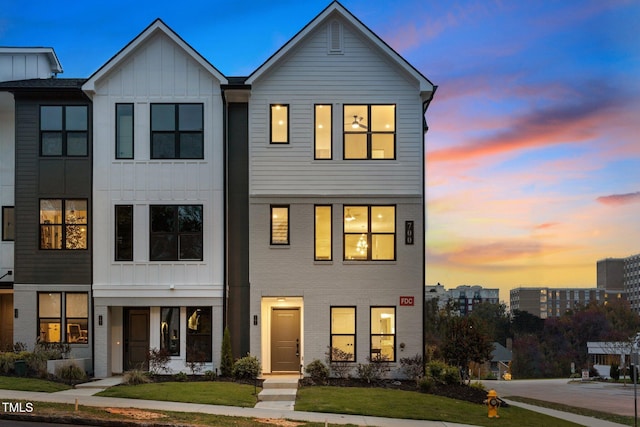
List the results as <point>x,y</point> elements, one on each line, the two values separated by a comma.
<point>541,348</point>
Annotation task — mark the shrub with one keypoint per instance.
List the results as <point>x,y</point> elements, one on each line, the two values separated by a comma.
<point>478,385</point>
<point>70,372</point>
<point>209,375</point>
<point>7,363</point>
<point>180,377</point>
<point>226,361</point>
<point>426,384</point>
<point>52,350</point>
<point>413,367</point>
<point>614,372</point>
<point>247,367</point>
<point>196,361</point>
<point>318,371</point>
<point>36,363</point>
<point>135,377</point>
<point>340,362</point>
<point>374,370</point>
<point>443,373</point>
<point>158,360</point>
<point>451,375</point>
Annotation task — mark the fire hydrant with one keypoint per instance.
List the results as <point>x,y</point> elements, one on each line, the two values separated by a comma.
<point>493,402</point>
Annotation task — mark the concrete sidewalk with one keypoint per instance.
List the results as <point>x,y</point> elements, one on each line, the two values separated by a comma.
<point>574,418</point>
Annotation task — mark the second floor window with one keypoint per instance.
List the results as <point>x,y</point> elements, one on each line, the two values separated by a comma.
<point>124,131</point>
<point>369,233</point>
<point>176,233</point>
<point>63,224</point>
<point>124,233</point>
<point>177,131</point>
<point>64,130</point>
<point>369,132</point>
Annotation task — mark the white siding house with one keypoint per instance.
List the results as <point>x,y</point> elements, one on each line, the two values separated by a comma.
<point>336,176</point>
<point>158,278</point>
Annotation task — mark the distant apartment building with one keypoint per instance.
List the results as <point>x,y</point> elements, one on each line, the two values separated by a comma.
<point>610,274</point>
<point>631,279</point>
<point>547,302</point>
<point>465,297</point>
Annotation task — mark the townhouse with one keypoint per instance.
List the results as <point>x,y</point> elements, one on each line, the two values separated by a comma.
<point>287,205</point>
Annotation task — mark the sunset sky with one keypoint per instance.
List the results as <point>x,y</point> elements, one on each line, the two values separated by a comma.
<point>533,152</point>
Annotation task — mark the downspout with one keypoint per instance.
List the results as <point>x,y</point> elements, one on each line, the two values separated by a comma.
<point>425,128</point>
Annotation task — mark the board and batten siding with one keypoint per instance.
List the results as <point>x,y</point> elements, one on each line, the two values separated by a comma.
<point>308,75</point>
<point>7,173</point>
<point>158,71</point>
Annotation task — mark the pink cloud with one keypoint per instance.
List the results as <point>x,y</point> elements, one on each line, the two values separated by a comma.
<point>620,199</point>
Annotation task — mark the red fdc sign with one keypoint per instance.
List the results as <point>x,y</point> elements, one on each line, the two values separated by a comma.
<point>406,301</point>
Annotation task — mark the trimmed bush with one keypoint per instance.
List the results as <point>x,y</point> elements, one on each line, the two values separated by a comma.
<point>7,363</point>
<point>318,371</point>
<point>226,362</point>
<point>135,377</point>
<point>247,367</point>
<point>180,377</point>
<point>70,372</point>
<point>426,384</point>
<point>614,372</point>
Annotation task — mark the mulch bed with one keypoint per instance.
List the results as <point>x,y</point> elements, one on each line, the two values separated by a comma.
<point>457,391</point>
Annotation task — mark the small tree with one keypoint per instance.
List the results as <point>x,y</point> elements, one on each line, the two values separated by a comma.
<point>226,355</point>
<point>158,361</point>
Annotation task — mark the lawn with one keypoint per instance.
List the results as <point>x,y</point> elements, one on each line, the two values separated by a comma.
<point>408,404</point>
<point>205,392</point>
<point>31,384</point>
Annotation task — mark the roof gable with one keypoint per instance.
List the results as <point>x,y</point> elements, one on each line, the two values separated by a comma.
<point>157,26</point>
<point>333,10</point>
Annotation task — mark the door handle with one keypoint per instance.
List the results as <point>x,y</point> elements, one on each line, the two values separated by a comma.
<point>297,347</point>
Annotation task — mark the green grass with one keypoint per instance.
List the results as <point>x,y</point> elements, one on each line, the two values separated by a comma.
<point>205,392</point>
<point>31,384</point>
<point>414,405</point>
<point>63,413</point>
<point>620,419</point>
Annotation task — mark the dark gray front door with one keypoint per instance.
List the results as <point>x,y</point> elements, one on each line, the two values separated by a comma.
<point>285,340</point>
<point>136,338</point>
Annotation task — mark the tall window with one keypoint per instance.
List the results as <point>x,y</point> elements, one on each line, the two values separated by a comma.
<point>279,225</point>
<point>383,333</point>
<point>199,334</point>
<point>323,131</point>
<point>279,124</point>
<point>170,330</point>
<point>63,224</point>
<point>343,334</point>
<point>369,233</point>
<point>124,131</point>
<point>176,233</point>
<point>8,223</point>
<point>74,328</point>
<point>124,233</point>
<point>64,130</point>
<point>323,231</point>
<point>77,317</point>
<point>369,131</point>
<point>177,131</point>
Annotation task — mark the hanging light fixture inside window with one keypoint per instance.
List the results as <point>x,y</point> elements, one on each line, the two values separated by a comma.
<point>349,217</point>
<point>362,245</point>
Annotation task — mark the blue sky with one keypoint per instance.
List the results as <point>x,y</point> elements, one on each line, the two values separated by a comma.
<point>533,152</point>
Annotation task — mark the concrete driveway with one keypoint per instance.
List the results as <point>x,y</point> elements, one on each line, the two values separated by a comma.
<point>599,396</point>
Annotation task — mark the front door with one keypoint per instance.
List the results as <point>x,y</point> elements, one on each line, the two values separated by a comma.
<point>136,338</point>
<point>285,340</point>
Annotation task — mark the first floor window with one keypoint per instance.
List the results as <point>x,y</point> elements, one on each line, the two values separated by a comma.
<point>323,231</point>
<point>170,330</point>
<point>199,334</point>
<point>8,223</point>
<point>343,334</point>
<point>279,225</point>
<point>73,327</point>
<point>124,233</point>
<point>369,233</point>
<point>63,224</point>
<point>383,333</point>
<point>176,233</point>
<point>279,124</point>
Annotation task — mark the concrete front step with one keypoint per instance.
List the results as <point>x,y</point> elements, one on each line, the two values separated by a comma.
<point>277,395</point>
<point>280,383</point>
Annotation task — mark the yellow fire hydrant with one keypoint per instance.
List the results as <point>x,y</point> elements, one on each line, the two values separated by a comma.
<point>493,402</point>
